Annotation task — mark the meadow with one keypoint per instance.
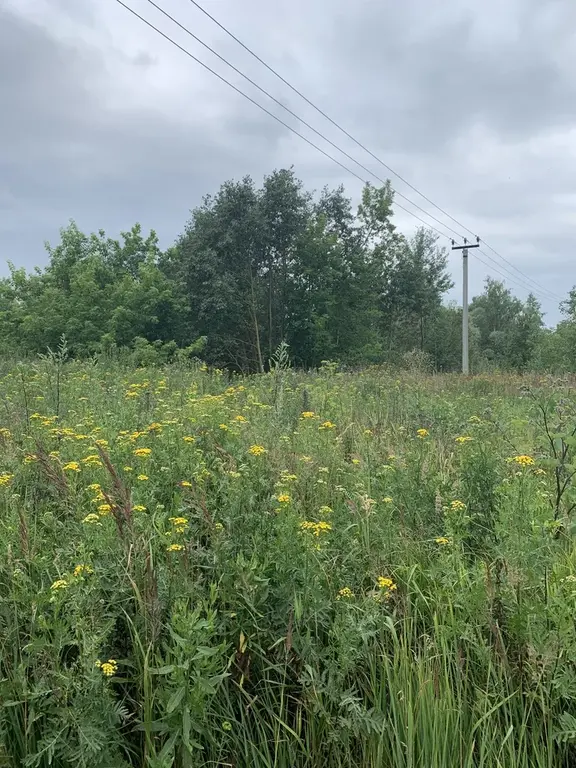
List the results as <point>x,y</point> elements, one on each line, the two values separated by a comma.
<point>365,569</point>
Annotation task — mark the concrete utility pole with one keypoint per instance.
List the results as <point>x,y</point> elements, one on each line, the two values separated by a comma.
<point>464,249</point>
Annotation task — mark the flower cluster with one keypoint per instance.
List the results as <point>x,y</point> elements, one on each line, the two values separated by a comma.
<point>108,668</point>
<point>523,460</point>
<point>315,528</point>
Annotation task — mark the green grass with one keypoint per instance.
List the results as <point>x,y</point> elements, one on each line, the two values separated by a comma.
<point>291,575</point>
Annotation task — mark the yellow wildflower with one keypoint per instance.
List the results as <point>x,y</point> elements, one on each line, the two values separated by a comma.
<point>104,509</point>
<point>71,466</point>
<point>315,528</point>
<point>128,469</point>
<point>139,508</point>
<point>82,570</point>
<point>344,594</point>
<point>463,439</point>
<point>307,415</point>
<point>387,586</point>
<point>387,499</point>
<point>142,477</point>
<point>523,460</point>
<point>92,461</point>
<point>283,498</point>
<point>186,484</point>
<point>442,540</point>
<point>189,439</point>
<point>178,520</point>
<point>256,450</point>
<point>175,548</point>
<point>109,668</point>
<point>240,418</point>
<point>91,518</point>
<point>59,584</point>
<point>327,425</point>
<point>142,452</point>
<point>422,433</point>
<point>457,505</point>
<point>5,478</point>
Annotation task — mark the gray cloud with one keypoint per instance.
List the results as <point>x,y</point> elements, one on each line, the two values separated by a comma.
<point>104,122</point>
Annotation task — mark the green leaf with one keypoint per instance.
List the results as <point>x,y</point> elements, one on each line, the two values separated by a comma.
<point>175,699</point>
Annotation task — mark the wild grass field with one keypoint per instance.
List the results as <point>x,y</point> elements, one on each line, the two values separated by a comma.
<point>365,569</point>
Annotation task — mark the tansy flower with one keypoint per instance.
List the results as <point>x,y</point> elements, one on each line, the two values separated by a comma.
<point>307,415</point>
<point>175,548</point>
<point>109,668</point>
<point>344,594</point>
<point>91,518</point>
<point>59,584</point>
<point>240,418</point>
<point>189,439</point>
<point>143,452</point>
<point>128,469</point>
<point>457,505</point>
<point>463,439</point>
<point>71,466</point>
<point>325,510</point>
<point>178,520</point>
<point>82,570</point>
<point>387,499</point>
<point>224,427</point>
<point>422,433</point>
<point>142,477</point>
<point>327,425</point>
<point>104,509</point>
<point>186,484</point>
<point>523,461</point>
<point>256,450</point>
<point>283,498</point>
<point>139,508</point>
<point>386,585</point>
<point>315,528</point>
<point>442,540</point>
<point>5,478</point>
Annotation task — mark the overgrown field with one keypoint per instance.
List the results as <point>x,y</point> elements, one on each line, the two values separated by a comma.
<point>289,570</point>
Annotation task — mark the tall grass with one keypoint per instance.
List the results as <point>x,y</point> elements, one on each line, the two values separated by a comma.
<point>329,569</point>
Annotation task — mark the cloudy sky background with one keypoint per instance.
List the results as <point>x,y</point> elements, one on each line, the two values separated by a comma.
<point>103,121</point>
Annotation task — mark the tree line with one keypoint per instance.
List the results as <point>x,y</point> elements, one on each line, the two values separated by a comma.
<point>257,266</point>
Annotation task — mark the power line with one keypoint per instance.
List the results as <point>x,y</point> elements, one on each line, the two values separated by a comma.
<point>290,128</point>
<point>271,114</point>
<point>540,290</point>
<point>363,146</point>
<point>507,277</point>
<point>300,119</point>
<point>553,295</point>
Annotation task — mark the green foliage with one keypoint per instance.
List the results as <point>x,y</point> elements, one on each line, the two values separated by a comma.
<point>256,266</point>
<point>288,569</point>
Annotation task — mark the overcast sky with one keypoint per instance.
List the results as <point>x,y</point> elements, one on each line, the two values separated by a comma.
<point>105,122</point>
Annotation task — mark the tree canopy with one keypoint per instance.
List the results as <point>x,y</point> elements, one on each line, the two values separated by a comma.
<point>257,266</point>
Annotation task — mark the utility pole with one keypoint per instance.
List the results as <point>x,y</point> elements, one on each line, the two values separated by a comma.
<point>464,249</point>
